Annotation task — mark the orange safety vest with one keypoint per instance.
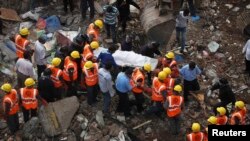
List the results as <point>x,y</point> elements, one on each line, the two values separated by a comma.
<point>136,75</point>
<point>55,76</point>
<point>28,96</point>
<point>68,64</point>
<point>173,66</point>
<point>91,77</point>
<point>169,82</point>
<point>87,54</point>
<point>157,87</point>
<point>21,44</point>
<point>206,134</point>
<point>198,136</point>
<point>222,120</point>
<point>92,31</point>
<point>11,98</point>
<point>241,115</point>
<point>174,108</point>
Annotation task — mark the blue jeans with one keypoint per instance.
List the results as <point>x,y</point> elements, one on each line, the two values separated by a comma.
<point>174,124</point>
<point>112,28</point>
<point>84,5</point>
<point>106,102</point>
<point>181,31</point>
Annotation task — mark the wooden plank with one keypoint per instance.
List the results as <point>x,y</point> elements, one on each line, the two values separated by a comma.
<point>9,14</point>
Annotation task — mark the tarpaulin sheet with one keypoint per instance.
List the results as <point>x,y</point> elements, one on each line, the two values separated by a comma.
<point>65,38</point>
<point>129,58</point>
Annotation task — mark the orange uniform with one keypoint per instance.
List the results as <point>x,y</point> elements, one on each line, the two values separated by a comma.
<point>158,87</point>
<point>173,66</point>
<point>29,98</point>
<point>197,136</point>
<point>21,44</point>
<point>136,75</point>
<point>241,115</point>
<point>174,108</point>
<point>68,64</point>
<point>222,120</point>
<point>170,85</point>
<point>91,76</point>
<point>13,99</point>
<point>55,76</point>
<point>92,31</point>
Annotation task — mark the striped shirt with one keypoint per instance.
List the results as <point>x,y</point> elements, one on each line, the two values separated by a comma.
<point>110,17</point>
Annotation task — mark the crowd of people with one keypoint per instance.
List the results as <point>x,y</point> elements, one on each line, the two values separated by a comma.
<point>75,68</point>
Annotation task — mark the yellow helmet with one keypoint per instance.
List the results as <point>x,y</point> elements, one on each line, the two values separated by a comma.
<point>221,110</point>
<point>29,82</point>
<point>178,88</point>
<point>88,65</point>
<point>147,67</point>
<point>170,55</point>
<point>167,70</point>
<point>162,75</point>
<point>94,45</point>
<point>75,54</point>
<point>99,23</point>
<point>196,127</point>
<point>212,120</point>
<point>24,31</point>
<point>6,87</point>
<point>239,104</point>
<point>56,61</point>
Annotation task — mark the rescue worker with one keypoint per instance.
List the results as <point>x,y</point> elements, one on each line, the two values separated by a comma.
<point>158,94</point>
<point>169,82</point>
<point>173,105</point>
<point>90,75</point>
<point>212,120</point>
<point>70,72</point>
<point>138,83</point>
<point>93,31</point>
<point>169,61</point>
<point>57,77</point>
<point>238,117</point>
<point>10,107</point>
<point>88,52</point>
<point>22,42</point>
<point>29,99</point>
<point>222,118</point>
<point>226,95</point>
<point>196,134</point>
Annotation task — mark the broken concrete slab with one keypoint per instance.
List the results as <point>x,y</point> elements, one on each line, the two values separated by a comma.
<point>9,14</point>
<point>213,46</point>
<point>99,118</point>
<point>3,124</point>
<point>56,117</point>
<point>98,7</point>
<point>30,128</point>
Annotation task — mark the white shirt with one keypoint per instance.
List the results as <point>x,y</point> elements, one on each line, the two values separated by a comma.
<point>246,50</point>
<point>25,67</point>
<point>39,54</point>
<point>105,81</point>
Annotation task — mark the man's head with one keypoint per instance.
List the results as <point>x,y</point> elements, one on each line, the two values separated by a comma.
<point>42,39</point>
<point>170,56</point>
<point>155,44</point>
<point>109,9</point>
<point>112,48</point>
<point>129,71</point>
<point>223,81</point>
<point>75,54</point>
<point>192,65</point>
<point>186,12</point>
<point>26,54</point>
<point>6,87</point>
<point>94,45</point>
